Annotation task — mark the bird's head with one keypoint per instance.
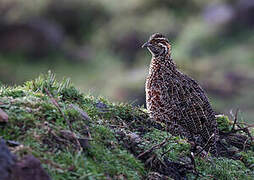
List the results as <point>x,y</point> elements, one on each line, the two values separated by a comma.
<point>158,45</point>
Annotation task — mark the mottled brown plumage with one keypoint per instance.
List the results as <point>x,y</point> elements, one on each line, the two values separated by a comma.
<point>176,99</point>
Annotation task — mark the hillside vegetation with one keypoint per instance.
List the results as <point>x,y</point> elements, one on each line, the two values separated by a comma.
<point>78,136</point>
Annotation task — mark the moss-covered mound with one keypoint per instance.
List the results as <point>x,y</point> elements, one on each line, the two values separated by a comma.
<point>77,136</point>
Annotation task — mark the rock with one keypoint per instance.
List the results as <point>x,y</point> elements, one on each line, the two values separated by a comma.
<point>3,116</point>
<point>84,143</point>
<point>101,106</point>
<point>29,168</point>
<point>82,113</point>
<point>134,138</point>
<point>13,143</point>
<point>7,160</point>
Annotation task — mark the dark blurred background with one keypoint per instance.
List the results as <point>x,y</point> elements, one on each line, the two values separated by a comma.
<point>97,43</point>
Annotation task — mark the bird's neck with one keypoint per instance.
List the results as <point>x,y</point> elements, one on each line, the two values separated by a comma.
<point>162,62</point>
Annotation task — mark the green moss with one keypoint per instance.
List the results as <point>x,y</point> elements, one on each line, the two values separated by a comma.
<point>222,168</point>
<point>110,157</point>
<point>174,148</point>
<point>248,159</point>
<point>223,123</point>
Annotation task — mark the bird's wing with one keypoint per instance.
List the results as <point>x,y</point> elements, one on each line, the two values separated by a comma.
<point>192,104</point>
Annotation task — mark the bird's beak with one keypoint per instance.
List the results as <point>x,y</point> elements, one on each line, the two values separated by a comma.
<point>147,44</point>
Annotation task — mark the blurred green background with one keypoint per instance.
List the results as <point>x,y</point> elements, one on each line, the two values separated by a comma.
<point>97,43</point>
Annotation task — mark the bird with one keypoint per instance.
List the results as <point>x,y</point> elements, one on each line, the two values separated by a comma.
<point>176,99</point>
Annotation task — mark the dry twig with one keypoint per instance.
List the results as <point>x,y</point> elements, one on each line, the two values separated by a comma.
<point>53,100</point>
<point>235,119</point>
<point>157,146</point>
<point>203,148</point>
<point>85,117</point>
